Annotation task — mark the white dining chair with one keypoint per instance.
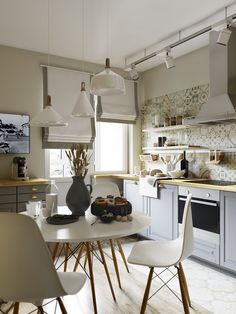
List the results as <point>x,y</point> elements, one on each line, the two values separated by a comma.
<point>165,254</point>
<point>27,271</point>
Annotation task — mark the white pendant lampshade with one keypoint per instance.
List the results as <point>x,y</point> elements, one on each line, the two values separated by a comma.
<point>107,82</point>
<point>83,108</point>
<point>48,117</point>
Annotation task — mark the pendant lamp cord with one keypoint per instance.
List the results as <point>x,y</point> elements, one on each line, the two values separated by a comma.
<point>108,28</point>
<point>48,32</point>
<point>83,37</point>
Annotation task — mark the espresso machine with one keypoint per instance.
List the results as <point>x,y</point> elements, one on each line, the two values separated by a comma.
<point>19,169</point>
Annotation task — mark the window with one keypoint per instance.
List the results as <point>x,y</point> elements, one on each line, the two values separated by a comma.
<point>111,147</point>
<point>59,165</point>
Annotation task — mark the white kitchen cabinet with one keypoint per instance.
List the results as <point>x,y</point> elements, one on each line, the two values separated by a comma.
<point>163,211</point>
<point>228,230</point>
<point>139,202</point>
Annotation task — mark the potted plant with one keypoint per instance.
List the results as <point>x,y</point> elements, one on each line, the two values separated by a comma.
<point>78,197</point>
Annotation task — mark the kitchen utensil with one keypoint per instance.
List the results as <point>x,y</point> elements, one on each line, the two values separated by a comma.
<point>176,173</point>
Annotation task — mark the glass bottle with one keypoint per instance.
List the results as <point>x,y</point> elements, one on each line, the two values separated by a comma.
<point>51,198</point>
<point>184,165</point>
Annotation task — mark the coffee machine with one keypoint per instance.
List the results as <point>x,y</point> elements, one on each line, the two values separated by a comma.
<point>19,168</point>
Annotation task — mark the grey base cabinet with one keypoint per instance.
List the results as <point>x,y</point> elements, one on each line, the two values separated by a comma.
<point>162,210</point>
<point>228,231</point>
<point>164,214</point>
<point>131,193</point>
<point>13,199</point>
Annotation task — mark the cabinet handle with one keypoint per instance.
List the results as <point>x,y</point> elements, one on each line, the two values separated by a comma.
<point>34,196</point>
<point>34,189</point>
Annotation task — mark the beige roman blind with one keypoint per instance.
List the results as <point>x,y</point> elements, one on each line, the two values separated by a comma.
<point>64,87</point>
<point>119,108</point>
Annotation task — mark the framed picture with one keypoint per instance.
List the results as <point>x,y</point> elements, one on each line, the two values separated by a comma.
<point>14,133</point>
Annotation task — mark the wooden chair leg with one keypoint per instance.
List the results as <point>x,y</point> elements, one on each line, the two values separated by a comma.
<point>147,290</point>
<point>40,310</point>
<point>16,308</point>
<point>115,262</point>
<point>122,255</point>
<point>54,253</point>
<point>106,269</point>
<point>78,258</point>
<point>62,306</point>
<point>85,260</point>
<point>183,293</point>
<point>66,250</point>
<point>185,284</point>
<point>90,265</point>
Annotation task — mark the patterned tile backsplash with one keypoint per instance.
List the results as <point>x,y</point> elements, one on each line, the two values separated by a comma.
<point>216,137</point>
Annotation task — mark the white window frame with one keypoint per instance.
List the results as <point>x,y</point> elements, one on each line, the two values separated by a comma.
<point>97,151</point>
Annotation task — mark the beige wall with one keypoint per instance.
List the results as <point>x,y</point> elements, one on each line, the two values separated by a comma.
<point>21,92</point>
<point>191,69</point>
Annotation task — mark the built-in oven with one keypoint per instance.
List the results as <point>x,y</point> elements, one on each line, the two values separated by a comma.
<point>205,204</point>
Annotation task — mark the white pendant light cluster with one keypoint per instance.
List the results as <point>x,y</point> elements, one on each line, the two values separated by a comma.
<point>107,82</point>
<point>48,117</point>
<point>83,107</point>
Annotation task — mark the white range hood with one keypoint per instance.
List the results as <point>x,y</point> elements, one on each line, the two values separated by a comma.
<point>221,105</point>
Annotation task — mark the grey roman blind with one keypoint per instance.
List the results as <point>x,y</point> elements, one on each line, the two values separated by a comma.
<point>119,108</point>
<point>64,87</point>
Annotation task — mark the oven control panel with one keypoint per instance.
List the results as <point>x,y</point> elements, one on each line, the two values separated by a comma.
<point>207,194</point>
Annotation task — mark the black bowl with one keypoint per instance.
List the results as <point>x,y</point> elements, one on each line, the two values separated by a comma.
<point>107,218</point>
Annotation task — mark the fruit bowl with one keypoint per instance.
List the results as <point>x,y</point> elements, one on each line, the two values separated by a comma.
<point>176,173</point>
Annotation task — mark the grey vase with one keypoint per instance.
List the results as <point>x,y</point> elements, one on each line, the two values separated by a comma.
<point>78,197</point>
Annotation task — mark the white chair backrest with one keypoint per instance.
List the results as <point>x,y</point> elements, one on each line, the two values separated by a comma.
<point>187,230</point>
<point>26,269</point>
<point>105,188</point>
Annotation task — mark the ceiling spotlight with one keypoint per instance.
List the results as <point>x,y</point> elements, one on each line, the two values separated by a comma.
<point>224,36</point>
<point>134,72</point>
<point>169,61</point>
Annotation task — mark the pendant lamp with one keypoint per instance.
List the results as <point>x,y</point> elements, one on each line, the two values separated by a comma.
<point>83,107</point>
<point>48,117</point>
<point>107,82</point>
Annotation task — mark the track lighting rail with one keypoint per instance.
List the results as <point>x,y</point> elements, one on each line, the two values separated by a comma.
<point>204,30</point>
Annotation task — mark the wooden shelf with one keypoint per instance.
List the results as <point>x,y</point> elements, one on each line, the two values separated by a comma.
<point>168,128</point>
<point>175,148</point>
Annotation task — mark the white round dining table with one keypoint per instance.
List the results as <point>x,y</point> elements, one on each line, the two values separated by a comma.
<point>84,230</point>
<point>89,229</point>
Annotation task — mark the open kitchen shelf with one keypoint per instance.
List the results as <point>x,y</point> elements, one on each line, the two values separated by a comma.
<point>168,128</point>
<point>176,148</point>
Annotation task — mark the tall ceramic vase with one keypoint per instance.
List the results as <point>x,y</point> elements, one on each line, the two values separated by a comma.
<point>78,196</point>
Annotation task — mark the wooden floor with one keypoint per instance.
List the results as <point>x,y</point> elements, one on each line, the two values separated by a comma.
<point>129,298</point>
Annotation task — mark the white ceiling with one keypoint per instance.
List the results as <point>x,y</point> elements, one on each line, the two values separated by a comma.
<point>133,26</point>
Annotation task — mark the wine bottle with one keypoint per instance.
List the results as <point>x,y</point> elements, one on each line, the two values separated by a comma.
<point>184,165</point>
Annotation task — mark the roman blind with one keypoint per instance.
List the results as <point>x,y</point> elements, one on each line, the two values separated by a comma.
<point>119,108</point>
<point>64,87</point>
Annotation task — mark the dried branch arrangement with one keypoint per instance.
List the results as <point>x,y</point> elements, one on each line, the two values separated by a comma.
<point>79,159</point>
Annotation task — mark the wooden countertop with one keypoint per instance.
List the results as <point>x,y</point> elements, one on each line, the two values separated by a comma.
<point>182,182</point>
<point>123,176</point>
<point>178,182</point>
<point>11,182</point>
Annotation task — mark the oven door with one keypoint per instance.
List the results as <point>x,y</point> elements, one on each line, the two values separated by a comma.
<point>205,213</point>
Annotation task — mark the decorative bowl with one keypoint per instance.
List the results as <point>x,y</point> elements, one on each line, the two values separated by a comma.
<point>176,173</point>
<point>107,217</point>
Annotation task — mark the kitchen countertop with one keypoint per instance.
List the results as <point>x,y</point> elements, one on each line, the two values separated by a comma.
<point>178,182</point>
<point>11,182</point>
